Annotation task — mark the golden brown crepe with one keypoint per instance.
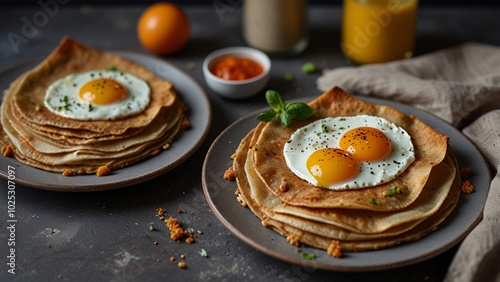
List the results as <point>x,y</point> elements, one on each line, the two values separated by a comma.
<point>320,234</point>
<point>430,148</point>
<point>70,57</point>
<point>358,227</point>
<point>51,142</point>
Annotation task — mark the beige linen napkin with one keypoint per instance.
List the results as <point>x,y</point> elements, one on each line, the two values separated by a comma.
<point>462,86</point>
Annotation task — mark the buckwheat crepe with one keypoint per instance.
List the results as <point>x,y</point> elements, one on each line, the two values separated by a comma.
<point>316,216</point>
<point>408,224</point>
<point>430,149</point>
<point>51,142</point>
<point>70,57</point>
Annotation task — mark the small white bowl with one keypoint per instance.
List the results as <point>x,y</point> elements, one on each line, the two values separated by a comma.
<point>237,89</point>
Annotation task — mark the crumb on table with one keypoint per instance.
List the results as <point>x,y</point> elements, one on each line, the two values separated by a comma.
<point>182,264</point>
<point>175,228</point>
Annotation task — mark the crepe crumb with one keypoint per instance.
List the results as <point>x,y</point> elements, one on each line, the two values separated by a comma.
<point>8,151</point>
<point>166,146</point>
<point>185,124</point>
<point>190,237</point>
<point>283,188</point>
<point>160,213</point>
<point>240,199</point>
<point>183,256</point>
<point>182,264</point>
<point>172,258</point>
<point>103,171</point>
<point>294,240</point>
<point>230,174</point>
<point>265,223</point>
<point>68,172</point>
<point>467,187</point>
<point>334,249</point>
<point>175,228</point>
<point>176,231</point>
<point>465,172</point>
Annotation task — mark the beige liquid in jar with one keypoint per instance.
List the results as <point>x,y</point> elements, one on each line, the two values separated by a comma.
<point>276,26</point>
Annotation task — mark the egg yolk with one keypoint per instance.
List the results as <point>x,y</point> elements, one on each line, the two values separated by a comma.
<point>102,91</point>
<point>332,165</point>
<point>367,143</point>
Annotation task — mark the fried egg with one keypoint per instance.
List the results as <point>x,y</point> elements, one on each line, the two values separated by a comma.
<point>97,95</point>
<point>349,152</point>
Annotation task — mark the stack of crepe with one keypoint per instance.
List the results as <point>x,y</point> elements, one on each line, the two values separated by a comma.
<point>51,142</point>
<point>318,216</point>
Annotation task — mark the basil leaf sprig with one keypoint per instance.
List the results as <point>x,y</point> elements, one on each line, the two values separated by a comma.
<point>285,111</point>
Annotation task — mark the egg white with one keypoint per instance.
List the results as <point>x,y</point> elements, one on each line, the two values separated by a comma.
<point>326,133</point>
<point>62,96</point>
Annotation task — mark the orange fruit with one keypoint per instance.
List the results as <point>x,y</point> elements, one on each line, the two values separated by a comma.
<point>163,28</point>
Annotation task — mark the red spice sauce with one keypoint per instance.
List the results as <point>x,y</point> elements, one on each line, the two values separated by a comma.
<point>233,68</point>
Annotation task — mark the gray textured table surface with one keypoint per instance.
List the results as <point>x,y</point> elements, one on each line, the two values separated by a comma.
<point>104,236</point>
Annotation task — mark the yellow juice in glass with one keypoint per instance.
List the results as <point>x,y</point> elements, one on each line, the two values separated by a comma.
<point>376,31</point>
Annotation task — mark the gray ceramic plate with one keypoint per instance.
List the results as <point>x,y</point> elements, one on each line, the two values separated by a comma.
<point>183,147</point>
<point>247,227</point>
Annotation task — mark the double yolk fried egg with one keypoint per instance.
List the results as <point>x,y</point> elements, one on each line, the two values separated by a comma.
<point>353,152</point>
<point>97,95</point>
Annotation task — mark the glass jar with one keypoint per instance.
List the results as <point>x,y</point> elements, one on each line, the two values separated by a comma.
<point>376,31</point>
<point>276,26</point>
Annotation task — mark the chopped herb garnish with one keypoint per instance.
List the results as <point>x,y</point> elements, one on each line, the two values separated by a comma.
<point>396,190</point>
<point>91,108</point>
<point>190,66</point>
<point>112,68</point>
<point>288,77</point>
<point>151,227</point>
<point>374,202</point>
<point>203,253</point>
<point>285,111</point>
<point>309,68</point>
<point>307,256</point>
<point>324,128</point>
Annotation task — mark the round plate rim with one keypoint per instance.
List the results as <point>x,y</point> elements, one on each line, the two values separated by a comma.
<point>201,111</point>
<point>338,264</point>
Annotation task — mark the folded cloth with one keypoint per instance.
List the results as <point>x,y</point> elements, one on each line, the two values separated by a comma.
<point>462,86</point>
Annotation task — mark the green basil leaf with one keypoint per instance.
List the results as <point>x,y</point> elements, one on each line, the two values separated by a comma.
<point>299,111</point>
<point>286,119</point>
<point>267,116</point>
<point>275,101</point>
